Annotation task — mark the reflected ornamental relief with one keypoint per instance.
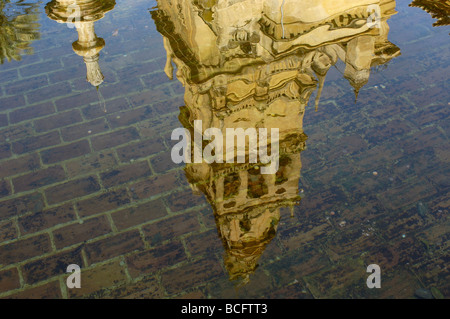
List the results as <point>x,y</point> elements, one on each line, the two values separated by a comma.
<point>82,15</point>
<point>254,64</point>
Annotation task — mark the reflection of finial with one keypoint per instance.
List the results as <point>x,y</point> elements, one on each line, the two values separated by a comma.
<point>94,73</point>
<point>356,94</point>
<point>319,92</point>
<point>88,44</point>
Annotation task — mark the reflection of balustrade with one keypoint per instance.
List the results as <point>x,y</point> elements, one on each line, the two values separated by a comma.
<point>83,14</point>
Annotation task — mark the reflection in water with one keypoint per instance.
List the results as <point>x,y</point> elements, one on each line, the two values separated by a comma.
<point>242,66</point>
<point>439,9</point>
<point>18,28</point>
<point>82,14</point>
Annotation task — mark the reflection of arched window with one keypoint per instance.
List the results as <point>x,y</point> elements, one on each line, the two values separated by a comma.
<point>231,185</point>
<point>281,175</point>
<point>256,184</point>
<point>18,28</point>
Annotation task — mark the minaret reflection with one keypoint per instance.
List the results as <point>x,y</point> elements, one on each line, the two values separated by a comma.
<point>255,64</point>
<point>82,14</point>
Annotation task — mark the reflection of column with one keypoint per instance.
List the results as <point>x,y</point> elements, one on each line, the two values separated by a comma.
<point>83,14</point>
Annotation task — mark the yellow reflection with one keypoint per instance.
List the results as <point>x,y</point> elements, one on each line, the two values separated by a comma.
<point>255,64</point>
<point>18,29</point>
<point>82,15</point>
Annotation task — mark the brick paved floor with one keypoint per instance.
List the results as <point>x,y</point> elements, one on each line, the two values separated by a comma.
<point>78,185</point>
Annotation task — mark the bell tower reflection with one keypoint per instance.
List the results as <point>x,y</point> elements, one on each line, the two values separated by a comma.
<point>82,14</point>
<point>255,64</point>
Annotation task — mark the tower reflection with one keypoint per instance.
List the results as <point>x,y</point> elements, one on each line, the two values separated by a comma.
<point>255,64</point>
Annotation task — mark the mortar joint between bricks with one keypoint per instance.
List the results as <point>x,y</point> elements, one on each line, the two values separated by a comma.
<point>111,223</point>
<point>52,240</point>
<point>63,287</point>
<point>142,234</point>
<point>124,265</point>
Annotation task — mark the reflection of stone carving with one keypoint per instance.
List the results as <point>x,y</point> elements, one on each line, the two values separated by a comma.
<point>83,14</point>
<point>240,72</point>
<point>18,28</point>
<point>439,9</point>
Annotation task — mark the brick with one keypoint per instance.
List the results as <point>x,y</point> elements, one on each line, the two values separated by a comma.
<point>9,280</point>
<point>31,112</point>
<point>96,110</point>
<point>114,246</point>
<point>168,106</point>
<point>151,96</point>
<point>7,231</point>
<point>11,102</point>
<point>145,288</point>
<point>46,219</point>
<point>184,199</point>
<point>67,74</point>
<point>16,132</point>
<point>49,92</point>
<point>8,76</point>
<point>5,151</point>
<point>23,86</point>
<point>403,195</point>
<point>140,149</point>
<point>24,249</point>
<point>36,142</point>
<point>102,203</point>
<point>3,120</point>
<point>92,162</point>
<point>138,69</point>
<point>21,205</point>
<point>137,215</point>
<point>155,259</point>
<point>125,174</point>
<point>48,267</point>
<point>76,132</point>
<point>126,118</point>
<point>39,178</point>
<point>114,138</point>
<point>204,243</point>
<point>57,121</point>
<point>124,87</point>
<point>191,275</point>
<point>38,68</point>
<point>62,153</point>
<point>72,190</point>
<point>97,279</point>
<point>154,185</point>
<point>163,162</point>
<point>76,101</point>
<point>50,290</point>
<point>77,233</point>
<point>155,79</point>
<point>5,188</point>
<point>170,228</point>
